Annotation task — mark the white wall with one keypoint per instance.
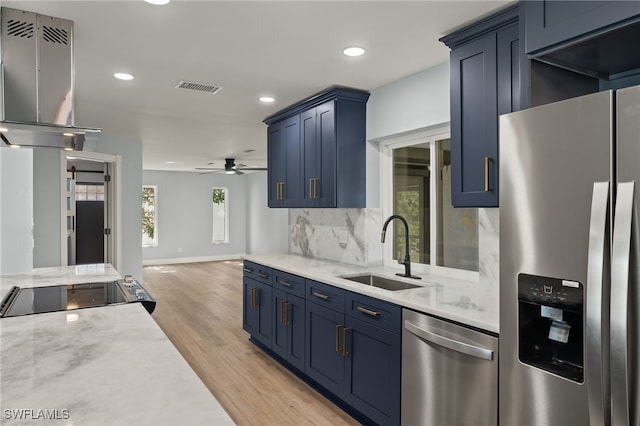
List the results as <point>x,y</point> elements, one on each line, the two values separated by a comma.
<point>16,210</point>
<point>184,214</point>
<point>267,229</point>
<point>407,105</point>
<point>130,151</point>
<point>47,202</point>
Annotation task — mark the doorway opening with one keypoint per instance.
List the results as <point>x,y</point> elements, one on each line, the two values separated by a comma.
<point>89,204</point>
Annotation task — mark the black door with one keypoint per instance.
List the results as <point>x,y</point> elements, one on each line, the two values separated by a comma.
<point>89,232</point>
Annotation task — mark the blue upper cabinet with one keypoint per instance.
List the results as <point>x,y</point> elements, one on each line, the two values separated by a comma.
<point>485,75</point>
<point>329,154</point>
<point>550,23</point>
<point>283,151</point>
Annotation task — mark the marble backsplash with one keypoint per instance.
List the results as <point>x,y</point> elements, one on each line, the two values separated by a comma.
<point>343,235</point>
<point>353,236</point>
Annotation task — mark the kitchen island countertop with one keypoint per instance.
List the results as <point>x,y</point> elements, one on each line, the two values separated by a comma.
<point>467,302</point>
<point>109,365</point>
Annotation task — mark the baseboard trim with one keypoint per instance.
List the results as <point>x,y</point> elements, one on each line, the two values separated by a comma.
<point>151,262</point>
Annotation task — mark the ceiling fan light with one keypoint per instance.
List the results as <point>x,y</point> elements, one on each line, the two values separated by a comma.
<point>229,172</point>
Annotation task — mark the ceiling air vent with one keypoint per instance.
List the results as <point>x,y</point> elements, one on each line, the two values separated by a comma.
<point>200,87</point>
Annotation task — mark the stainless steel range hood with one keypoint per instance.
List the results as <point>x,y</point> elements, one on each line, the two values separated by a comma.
<point>37,90</point>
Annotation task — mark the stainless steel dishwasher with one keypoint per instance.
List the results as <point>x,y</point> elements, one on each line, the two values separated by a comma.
<point>449,373</point>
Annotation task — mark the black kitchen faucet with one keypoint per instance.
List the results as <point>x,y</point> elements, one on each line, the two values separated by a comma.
<point>407,260</point>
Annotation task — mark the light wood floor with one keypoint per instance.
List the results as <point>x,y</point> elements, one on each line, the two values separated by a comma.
<point>199,307</point>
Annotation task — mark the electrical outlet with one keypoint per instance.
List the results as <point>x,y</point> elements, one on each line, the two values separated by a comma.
<point>343,237</point>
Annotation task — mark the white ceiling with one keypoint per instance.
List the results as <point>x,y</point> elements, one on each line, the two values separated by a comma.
<point>286,49</point>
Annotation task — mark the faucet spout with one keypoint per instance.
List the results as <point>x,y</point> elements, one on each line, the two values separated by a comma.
<point>407,260</point>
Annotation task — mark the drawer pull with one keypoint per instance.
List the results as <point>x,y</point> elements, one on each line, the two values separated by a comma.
<point>338,328</point>
<point>285,283</point>
<point>368,311</point>
<point>262,275</point>
<point>321,296</point>
<point>249,270</point>
<point>254,297</point>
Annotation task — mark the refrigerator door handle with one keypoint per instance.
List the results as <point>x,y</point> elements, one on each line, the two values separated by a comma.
<point>596,359</point>
<point>454,345</point>
<point>620,263</point>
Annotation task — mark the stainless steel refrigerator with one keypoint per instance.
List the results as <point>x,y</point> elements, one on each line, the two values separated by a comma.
<point>569,265</point>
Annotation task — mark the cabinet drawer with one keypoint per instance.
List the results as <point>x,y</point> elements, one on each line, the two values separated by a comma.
<point>288,282</point>
<point>374,311</point>
<point>258,272</point>
<point>325,295</point>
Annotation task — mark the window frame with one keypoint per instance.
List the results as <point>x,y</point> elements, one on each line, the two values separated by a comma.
<point>154,241</point>
<point>426,136</point>
<point>226,216</point>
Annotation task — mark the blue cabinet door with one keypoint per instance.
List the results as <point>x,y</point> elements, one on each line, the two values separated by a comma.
<point>319,154</point>
<point>276,165</point>
<point>324,359</point>
<point>257,312</point>
<point>325,187</point>
<point>373,374</point>
<point>551,23</point>
<point>289,328</point>
<point>474,126</point>
<point>295,318</point>
<point>291,143</point>
<point>249,310</point>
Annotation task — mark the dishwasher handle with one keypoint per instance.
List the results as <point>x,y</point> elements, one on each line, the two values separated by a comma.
<point>454,345</point>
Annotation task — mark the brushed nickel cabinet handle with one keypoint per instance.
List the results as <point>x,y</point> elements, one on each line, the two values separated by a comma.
<point>486,174</point>
<point>249,270</point>
<point>368,311</point>
<point>338,328</point>
<point>344,342</point>
<point>286,313</point>
<point>321,296</point>
<point>263,275</point>
<point>285,283</point>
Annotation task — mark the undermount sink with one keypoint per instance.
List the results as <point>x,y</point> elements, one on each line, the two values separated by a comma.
<point>380,282</point>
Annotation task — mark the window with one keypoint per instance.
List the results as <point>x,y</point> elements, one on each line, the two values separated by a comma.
<point>149,217</point>
<point>416,184</point>
<point>220,216</point>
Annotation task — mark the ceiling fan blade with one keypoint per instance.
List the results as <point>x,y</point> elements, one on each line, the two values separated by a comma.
<point>238,172</point>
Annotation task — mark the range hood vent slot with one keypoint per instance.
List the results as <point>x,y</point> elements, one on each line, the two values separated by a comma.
<point>200,87</point>
<point>20,28</point>
<point>55,35</point>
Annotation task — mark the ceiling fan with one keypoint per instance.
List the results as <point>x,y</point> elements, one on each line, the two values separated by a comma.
<point>230,168</point>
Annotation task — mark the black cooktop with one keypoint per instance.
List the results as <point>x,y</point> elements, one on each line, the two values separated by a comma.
<point>37,300</point>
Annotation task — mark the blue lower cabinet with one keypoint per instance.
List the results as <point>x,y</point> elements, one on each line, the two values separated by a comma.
<point>372,384</point>
<point>345,344</point>
<point>289,328</point>
<point>325,361</point>
<point>257,310</point>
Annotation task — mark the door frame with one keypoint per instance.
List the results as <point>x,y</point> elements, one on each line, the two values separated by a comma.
<point>113,192</point>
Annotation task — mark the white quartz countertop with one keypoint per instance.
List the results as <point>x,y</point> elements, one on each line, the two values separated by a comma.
<point>110,365</point>
<point>466,302</point>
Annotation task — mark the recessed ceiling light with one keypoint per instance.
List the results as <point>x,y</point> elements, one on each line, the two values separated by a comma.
<point>3,129</point>
<point>353,51</point>
<point>123,76</point>
<point>67,134</point>
<point>15,146</point>
<point>170,162</point>
<point>266,99</point>
<point>158,2</point>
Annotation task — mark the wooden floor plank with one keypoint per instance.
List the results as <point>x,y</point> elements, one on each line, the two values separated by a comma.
<point>199,307</point>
